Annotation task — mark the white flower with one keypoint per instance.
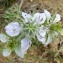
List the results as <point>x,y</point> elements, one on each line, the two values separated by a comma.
<point>19,52</point>
<point>3,38</point>
<point>48,15</point>
<point>13,29</point>
<point>57,18</point>
<point>41,35</point>
<point>25,44</point>
<point>39,18</point>
<point>26,16</point>
<point>43,39</point>
<point>6,52</point>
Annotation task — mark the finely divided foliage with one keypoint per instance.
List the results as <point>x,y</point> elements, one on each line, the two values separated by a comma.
<point>25,27</point>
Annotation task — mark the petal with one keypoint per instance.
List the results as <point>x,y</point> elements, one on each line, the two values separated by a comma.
<point>35,16</point>
<point>25,44</point>
<point>19,52</point>
<point>6,52</point>
<point>57,18</point>
<point>3,38</point>
<point>17,49</point>
<point>26,16</point>
<point>13,29</point>
<point>41,39</point>
<point>42,31</point>
<point>42,18</point>
<point>49,40</point>
<point>56,33</point>
<point>39,18</point>
<point>48,15</point>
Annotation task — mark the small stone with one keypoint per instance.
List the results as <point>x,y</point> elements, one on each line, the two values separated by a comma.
<point>31,0</point>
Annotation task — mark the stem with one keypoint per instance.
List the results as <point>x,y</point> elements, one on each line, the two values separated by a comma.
<point>21,4</point>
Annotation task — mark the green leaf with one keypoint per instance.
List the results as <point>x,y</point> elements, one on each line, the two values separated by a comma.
<point>56,27</point>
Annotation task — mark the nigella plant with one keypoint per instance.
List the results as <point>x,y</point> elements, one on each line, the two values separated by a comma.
<point>23,28</point>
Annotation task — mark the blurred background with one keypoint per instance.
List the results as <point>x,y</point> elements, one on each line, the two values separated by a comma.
<point>53,53</point>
